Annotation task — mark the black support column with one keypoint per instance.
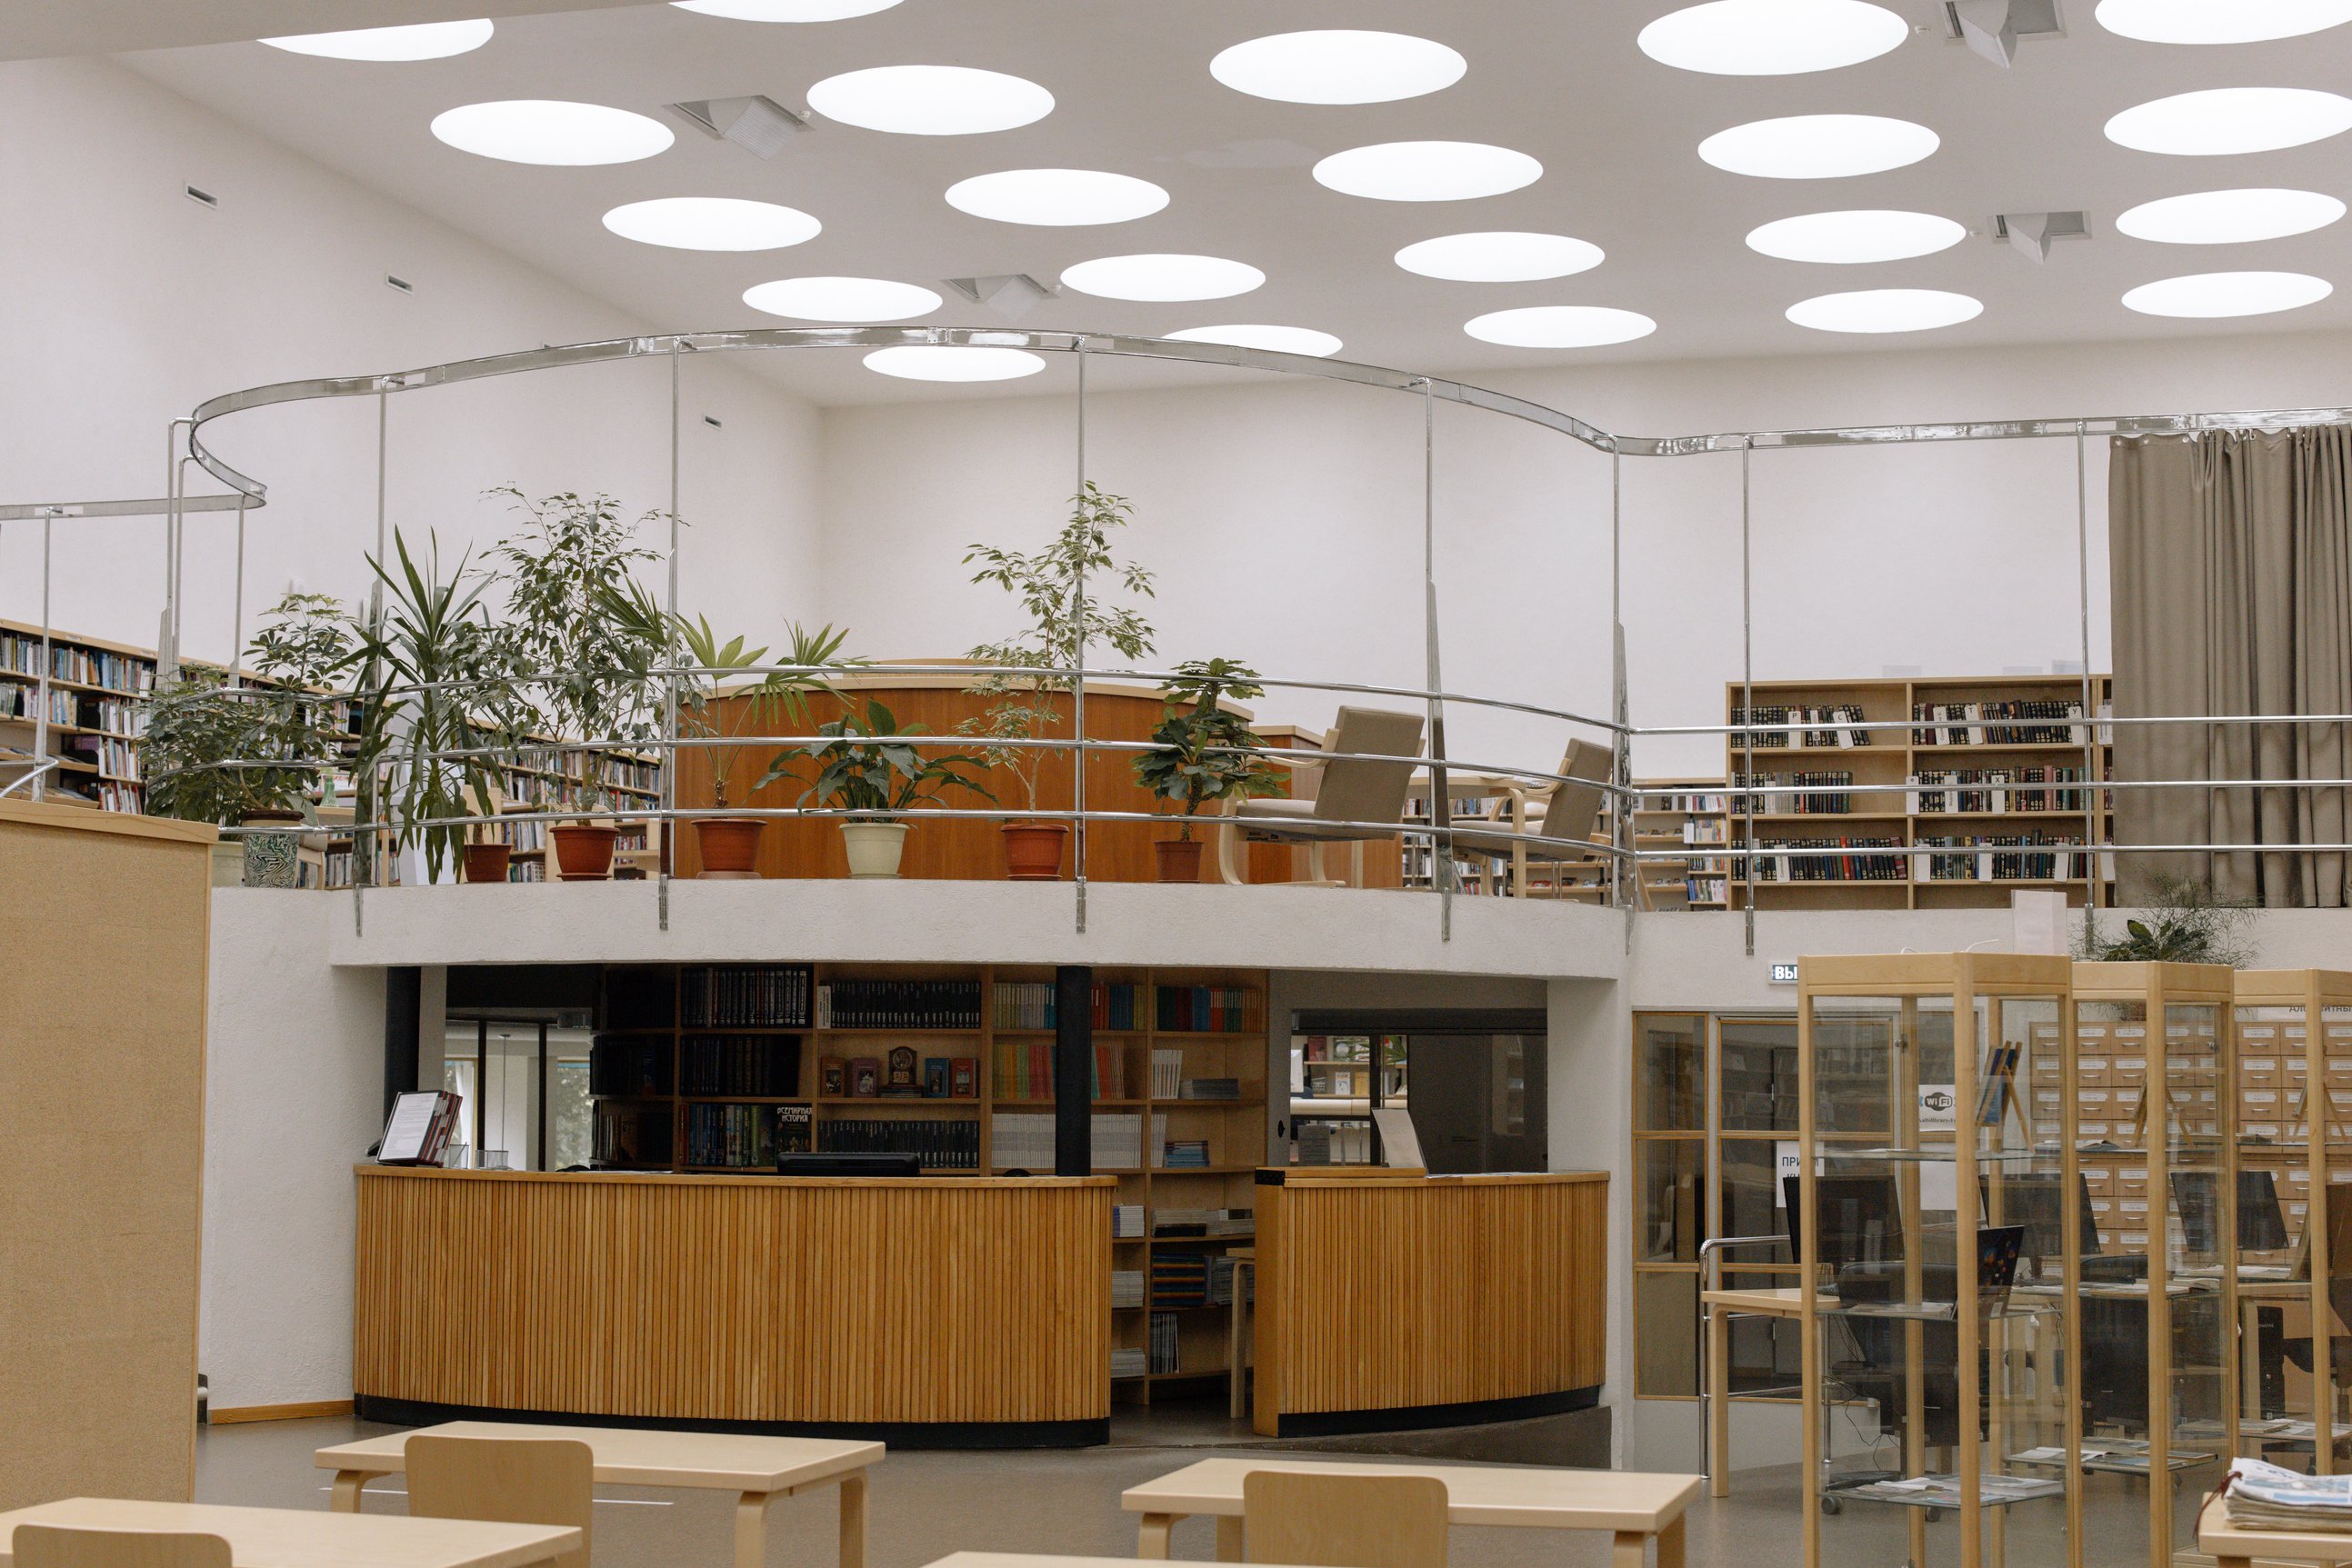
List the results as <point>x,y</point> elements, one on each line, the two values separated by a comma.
<point>1074,1056</point>
<point>404,1010</point>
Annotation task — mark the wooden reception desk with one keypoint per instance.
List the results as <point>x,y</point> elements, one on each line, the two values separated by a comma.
<point>1397,1299</point>
<point>963,1311</point>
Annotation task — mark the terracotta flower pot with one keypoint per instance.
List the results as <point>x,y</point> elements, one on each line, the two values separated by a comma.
<point>487,862</point>
<point>1032,850</point>
<point>583,851</point>
<point>729,846</point>
<point>1180,859</point>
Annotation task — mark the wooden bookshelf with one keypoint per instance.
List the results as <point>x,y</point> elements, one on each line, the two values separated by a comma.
<point>648,1100</point>
<point>1690,817</point>
<point>2010,780</point>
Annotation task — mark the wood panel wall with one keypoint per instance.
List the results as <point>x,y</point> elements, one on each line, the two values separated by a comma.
<point>104,919</point>
<point>736,1299</point>
<point>1400,1292</point>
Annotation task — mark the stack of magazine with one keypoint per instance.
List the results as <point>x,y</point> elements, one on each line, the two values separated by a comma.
<point>2265,1497</point>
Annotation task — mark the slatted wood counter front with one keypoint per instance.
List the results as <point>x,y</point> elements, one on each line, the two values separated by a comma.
<point>970,1311</point>
<point>1391,1301</point>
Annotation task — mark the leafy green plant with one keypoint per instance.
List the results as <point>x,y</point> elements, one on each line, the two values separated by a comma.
<point>217,753</point>
<point>1200,753</point>
<point>864,766</point>
<point>305,650</point>
<point>196,730</point>
<point>2184,922</point>
<point>1059,631</point>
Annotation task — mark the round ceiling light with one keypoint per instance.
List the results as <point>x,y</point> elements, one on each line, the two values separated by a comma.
<point>930,100</point>
<point>1559,327</point>
<point>784,10</point>
<point>2229,217</point>
<point>1856,237</point>
<point>1281,339</point>
<point>1500,256</point>
<point>1162,278</point>
<point>1427,170</point>
<point>2212,294</point>
<point>711,223</point>
<point>551,131</point>
<point>841,299</point>
<point>945,362</point>
<point>2223,120</point>
<point>1885,310</point>
<point>1819,146</point>
<point>2221,21</point>
<point>416,41</point>
<point>1058,198</point>
<point>1772,37</point>
<point>1338,65</point>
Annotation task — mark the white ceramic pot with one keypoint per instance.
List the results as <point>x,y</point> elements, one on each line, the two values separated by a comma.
<point>873,847</point>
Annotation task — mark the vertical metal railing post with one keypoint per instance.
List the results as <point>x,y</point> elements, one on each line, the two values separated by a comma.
<point>236,605</point>
<point>1440,808</point>
<point>1626,877</point>
<point>371,782</point>
<point>1079,680</point>
<point>41,720</point>
<point>167,636</point>
<point>667,827</point>
<point>1748,691</point>
<point>2093,794</point>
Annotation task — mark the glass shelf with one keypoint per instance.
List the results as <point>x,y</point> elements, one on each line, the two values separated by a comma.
<point>1933,1311</point>
<point>1943,1492</point>
<point>1936,1156</point>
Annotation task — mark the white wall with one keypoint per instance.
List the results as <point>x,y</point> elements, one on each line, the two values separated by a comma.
<point>129,303</point>
<point>1285,521</point>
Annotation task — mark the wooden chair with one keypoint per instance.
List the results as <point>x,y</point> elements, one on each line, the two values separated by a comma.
<point>511,1481</point>
<point>1326,1520</point>
<point>1567,808</point>
<point>1348,789</point>
<point>56,1546</point>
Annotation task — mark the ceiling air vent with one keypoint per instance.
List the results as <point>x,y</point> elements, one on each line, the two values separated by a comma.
<point>1011,295</point>
<point>398,283</point>
<point>2032,234</point>
<point>1992,28</point>
<point>202,197</point>
<point>758,124</point>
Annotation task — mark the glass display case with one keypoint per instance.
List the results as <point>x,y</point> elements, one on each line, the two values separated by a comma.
<point>1935,1262</point>
<point>2293,1219</point>
<point>2156,1207</point>
<point>1670,1189</point>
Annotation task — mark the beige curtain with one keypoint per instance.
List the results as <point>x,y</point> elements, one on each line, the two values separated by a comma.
<point>2231,572</point>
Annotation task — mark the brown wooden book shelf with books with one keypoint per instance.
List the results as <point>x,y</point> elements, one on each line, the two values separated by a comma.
<point>1687,818</point>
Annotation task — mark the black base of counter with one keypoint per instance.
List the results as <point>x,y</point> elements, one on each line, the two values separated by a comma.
<point>1417,1417</point>
<point>897,1434</point>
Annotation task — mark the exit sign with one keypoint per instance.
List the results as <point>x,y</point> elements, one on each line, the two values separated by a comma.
<point>1784,973</point>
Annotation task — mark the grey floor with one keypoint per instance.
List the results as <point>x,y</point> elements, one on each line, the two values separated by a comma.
<point>925,1505</point>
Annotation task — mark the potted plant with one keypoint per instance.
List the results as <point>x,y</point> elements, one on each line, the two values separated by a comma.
<point>200,735</point>
<point>866,767</point>
<point>1030,707</point>
<point>1201,754</point>
<point>729,846</point>
<point>585,662</point>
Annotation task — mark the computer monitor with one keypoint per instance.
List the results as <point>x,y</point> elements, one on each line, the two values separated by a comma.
<point>2037,1200</point>
<point>1861,1221</point>
<point>2262,1223</point>
<point>838,1164</point>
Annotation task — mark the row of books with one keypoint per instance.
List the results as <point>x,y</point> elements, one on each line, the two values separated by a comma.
<point>1857,864</point>
<point>1162,1343</point>
<point>1030,1004</point>
<point>768,1065</point>
<point>1126,1287</point>
<point>1694,803</point>
<point>1211,1223</point>
<point>1825,791</point>
<point>1205,1009</point>
<point>1185,1154</point>
<point>898,1004</point>
<point>1024,1071</point>
<point>84,666</point>
<point>1999,857</point>
<point>1128,1362</point>
<point>1843,719</point>
<point>941,1141</point>
<point>1336,1048</point>
<point>1698,834</point>
<point>1215,1088</point>
<point>25,702</point>
<point>1167,1071</point>
<point>1125,1222</point>
<point>624,1068</point>
<point>117,760</point>
<point>2020,721</point>
<point>1946,790</point>
<point>1180,1278</point>
<point>1707,889</point>
<point>1024,1140</point>
<point>745,1136</point>
<point>745,995</point>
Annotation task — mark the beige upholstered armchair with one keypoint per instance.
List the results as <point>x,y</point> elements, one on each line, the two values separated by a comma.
<point>1348,789</point>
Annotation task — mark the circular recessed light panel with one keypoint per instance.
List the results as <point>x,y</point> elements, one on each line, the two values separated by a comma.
<point>841,299</point>
<point>1501,256</point>
<point>1819,146</point>
<point>784,10</point>
<point>1338,65</point>
<point>930,100</point>
<point>2221,21</point>
<point>1559,327</point>
<point>1772,37</point>
<point>551,131</point>
<point>1427,170</point>
<point>1059,198</point>
<point>1885,310</point>
<point>2229,217</point>
<point>2224,119</point>
<point>2210,293</point>
<point>1847,237</point>
<point>943,362</point>
<point>416,41</point>
<point>712,223</point>
<point>1281,339</point>
<point>1162,277</point>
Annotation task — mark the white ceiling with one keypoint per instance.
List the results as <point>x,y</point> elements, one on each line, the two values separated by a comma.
<point>1561,79</point>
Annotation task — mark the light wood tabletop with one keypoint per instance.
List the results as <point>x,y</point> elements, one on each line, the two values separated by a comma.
<point>760,1470</point>
<point>298,1538</point>
<point>2232,1547</point>
<point>1029,1560</point>
<point>1786,1302</point>
<point>1635,1507</point>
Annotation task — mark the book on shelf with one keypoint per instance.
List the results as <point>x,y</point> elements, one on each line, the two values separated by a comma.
<point>1842,723</point>
<point>1029,1005</point>
<point>1862,860</point>
<point>1206,1223</point>
<point>746,995</point>
<point>765,1066</point>
<point>1126,1287</point>
<point>1163,1342</point>
<point>1996,857</point>
<point>1821,793</point>
<point>1167,1071</point>
<point>1180,1279</point>
<point>623,1066</point>
<point>1126,1220</point>
<point>2020,721</point>
<point>1209,1089</point>
<point>1184,1154</point>
<point>1204,1009</point>
<point>898,1004</point>
<point>1998,790</point>
<point>1024,1070</point>
<point>949,1143</point>
<point>1128,1362</point>
<point>1024,1140</point>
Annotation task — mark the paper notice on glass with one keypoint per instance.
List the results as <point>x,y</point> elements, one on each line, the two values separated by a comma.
<point>1938,1103</point>
<point>1400,1144</point>
<point>406,1131</point>
<point>1939,1186</point>
<point>1788,1162</point>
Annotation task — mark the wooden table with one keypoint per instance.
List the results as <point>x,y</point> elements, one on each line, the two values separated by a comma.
<point>298,1538</point>
<point>2231,1547</point>
<point>1236,1332</point>
<point>1632,1507</point>
<point>1721,1307</point>
<point>762,1470</point>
